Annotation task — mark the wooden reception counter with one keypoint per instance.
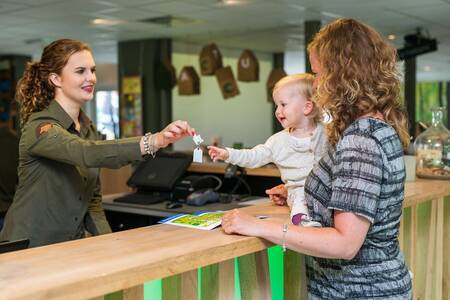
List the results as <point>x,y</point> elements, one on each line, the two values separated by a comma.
<point>269,170</point>
<point>125,260</point>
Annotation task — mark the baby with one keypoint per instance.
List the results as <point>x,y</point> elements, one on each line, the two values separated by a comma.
<point>293,150</point>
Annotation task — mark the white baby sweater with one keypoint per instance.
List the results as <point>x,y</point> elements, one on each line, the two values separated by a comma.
<point>294,157</point>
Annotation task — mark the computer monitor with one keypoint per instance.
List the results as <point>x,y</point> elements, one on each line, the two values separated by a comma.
<point>160,173</point>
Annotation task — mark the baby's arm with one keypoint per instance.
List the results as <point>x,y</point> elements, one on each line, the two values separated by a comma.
<point>256,157</point>
<point>253,158</point>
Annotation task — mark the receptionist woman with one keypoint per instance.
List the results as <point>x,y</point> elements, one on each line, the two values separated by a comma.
<point>58,196</point>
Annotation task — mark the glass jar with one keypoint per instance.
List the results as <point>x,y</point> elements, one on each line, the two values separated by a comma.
<point>433,149</point>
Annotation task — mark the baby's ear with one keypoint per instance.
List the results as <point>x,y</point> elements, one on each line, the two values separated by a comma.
<point>308,108</point>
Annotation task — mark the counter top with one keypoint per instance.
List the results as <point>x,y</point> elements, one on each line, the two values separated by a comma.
<point>422,190</point>
<point>98,265</point>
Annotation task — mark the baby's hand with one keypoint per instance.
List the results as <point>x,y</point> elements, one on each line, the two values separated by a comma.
<point>217,153</point>
<point>278,194</point>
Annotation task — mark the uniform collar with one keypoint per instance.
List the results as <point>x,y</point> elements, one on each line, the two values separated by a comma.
<point>85,123</point>
<point>65,120</point>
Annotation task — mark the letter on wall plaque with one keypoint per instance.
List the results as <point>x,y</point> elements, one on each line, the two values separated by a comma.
<point>227,82</point>
<point>210,59</point>
<point>274,76</point>
<point>248,66</point>
<point>188,82</point>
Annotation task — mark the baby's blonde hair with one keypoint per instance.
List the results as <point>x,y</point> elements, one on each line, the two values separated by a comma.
<point>304,84</point>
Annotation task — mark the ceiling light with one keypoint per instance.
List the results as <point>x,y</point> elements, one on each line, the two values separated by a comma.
<point>106,22</point>
<point>230,2</point>
<point>427,68</point>
<point>391,37</point>
<point>330,15</point>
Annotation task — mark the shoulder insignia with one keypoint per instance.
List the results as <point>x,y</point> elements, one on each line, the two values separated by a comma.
<point>43,128</point>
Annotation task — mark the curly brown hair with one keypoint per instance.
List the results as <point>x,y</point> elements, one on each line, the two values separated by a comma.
<point>35,91</point>
<point>359,76</point>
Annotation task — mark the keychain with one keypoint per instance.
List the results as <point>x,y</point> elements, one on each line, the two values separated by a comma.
<point>198,153</point>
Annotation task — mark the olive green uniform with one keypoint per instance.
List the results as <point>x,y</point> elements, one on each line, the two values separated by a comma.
<point>9,159</point>
<point>58,196</point>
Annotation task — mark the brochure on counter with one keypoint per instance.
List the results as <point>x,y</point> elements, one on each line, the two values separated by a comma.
<point>199,220</point>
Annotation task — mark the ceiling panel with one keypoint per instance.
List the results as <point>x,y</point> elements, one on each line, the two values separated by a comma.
<point>263,25</point>
<point>8,20</point>
<point>127,14</point>
<point>132,3</point>
<point>6,7</point>
<point>63,9</point>
<point>32,2</point>
<point>434,14</point>
<point>174,8</point>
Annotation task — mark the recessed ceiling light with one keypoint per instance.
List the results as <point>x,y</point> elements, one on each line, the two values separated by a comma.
<point>107,22</point>
<point>427,68</point>
<point>330,15</point>
<point>230,2</point>
<point>391,37</point>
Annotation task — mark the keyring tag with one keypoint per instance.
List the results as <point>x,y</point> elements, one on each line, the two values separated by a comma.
<point>198,155</point>
<point>197,139</point>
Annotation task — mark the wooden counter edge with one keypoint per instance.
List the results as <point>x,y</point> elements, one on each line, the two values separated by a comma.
<point>126,272</point>
<point>104,283</point>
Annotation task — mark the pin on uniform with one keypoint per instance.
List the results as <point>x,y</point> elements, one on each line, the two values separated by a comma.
<point>198,153</point>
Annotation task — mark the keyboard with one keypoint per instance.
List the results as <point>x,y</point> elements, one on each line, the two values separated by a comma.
<point>140,198</point>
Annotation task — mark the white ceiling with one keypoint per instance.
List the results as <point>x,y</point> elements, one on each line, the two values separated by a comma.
<point>262,25</point>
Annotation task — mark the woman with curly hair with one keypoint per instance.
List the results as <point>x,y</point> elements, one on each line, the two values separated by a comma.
<point>58,197</point>
<point>357,189</point>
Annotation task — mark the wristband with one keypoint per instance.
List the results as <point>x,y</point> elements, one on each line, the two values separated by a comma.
<point>283,240</point>
<point>149,146</point>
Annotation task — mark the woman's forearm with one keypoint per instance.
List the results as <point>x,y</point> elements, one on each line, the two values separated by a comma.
<point>320,242</point>
<point>341,241</point>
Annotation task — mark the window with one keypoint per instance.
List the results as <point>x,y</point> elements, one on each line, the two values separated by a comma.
<point>107,112</point>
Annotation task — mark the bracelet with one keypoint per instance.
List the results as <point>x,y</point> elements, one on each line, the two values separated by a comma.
<point>149,146</point>
<point>283,241</point>
<point>152,145</point>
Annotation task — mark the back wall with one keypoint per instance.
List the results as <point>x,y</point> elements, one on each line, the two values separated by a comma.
<point>246,118</point>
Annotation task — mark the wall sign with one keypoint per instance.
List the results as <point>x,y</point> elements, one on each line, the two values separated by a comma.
<point>248,66</point>
<point>227,82</point>
<point>188,82</point>
<point>210,59</point>
<point>165,75</point>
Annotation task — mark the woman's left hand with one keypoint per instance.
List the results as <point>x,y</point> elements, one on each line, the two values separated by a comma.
<point>236,221</point>
<point>172,133</point>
